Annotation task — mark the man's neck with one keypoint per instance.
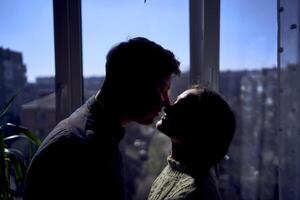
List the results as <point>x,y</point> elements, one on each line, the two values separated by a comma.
<point>107,104</point>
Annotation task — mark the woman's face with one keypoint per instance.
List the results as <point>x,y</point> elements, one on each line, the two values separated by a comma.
<point>177,118</point>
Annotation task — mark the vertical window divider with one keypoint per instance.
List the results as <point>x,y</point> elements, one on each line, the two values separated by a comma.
<point>68,56</point>
<point>204,42</point>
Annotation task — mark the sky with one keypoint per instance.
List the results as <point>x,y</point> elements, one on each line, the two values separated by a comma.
<point>248,31</point>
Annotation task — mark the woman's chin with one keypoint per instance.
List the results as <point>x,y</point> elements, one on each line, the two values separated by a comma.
<point>158,124</point>
<point>161,125</point>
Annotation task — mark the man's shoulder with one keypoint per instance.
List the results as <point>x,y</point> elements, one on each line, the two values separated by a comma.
<point>68,131</point>
<point>63,131</point>
<point>59,137</point>
<point>73,127</point>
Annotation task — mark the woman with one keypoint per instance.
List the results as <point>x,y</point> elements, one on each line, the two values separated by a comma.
<point>200,125</point>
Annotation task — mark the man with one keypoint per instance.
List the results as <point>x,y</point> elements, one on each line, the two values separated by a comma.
<point>80,158</point>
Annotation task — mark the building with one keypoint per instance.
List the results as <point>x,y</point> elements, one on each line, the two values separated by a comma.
<point>39,115</point>
<point>251,171</point>
<point>12,79</point>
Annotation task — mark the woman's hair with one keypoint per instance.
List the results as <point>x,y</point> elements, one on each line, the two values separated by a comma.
<point>211,123</point>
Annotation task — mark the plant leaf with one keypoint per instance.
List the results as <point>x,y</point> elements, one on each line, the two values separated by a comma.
<point>17,160</point>
<point>2,144</point>
<point>3,179</point>
<point>8,105</point>
<point>30,135</point>
<point>14,137</point>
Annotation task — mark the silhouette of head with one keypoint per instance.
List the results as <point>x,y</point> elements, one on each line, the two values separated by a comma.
<point>201,122</point>
<point>138,74</point>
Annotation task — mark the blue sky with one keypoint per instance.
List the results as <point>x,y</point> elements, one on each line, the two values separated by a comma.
<point>248,31</point>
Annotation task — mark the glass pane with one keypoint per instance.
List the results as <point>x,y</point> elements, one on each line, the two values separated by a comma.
<point>289,100</point>
<point>249,80</point>
<point>27,68</point>
<point>27,63</point>
<point>106,23</point>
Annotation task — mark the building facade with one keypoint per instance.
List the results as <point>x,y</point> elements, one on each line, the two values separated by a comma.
<point>12,79</point>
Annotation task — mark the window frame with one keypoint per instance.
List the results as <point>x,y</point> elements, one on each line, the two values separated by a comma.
<point>68,56</point>
<point>204,50</point>
<point>204,42</point>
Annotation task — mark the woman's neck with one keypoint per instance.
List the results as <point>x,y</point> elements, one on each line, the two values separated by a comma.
<point>190,158</point>
<point>179,152</point>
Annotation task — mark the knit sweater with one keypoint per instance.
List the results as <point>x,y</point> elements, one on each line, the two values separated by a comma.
<point>176,183</point>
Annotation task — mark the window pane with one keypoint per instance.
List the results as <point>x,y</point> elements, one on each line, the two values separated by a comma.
<point>106,23</point>
<point>249,80</point>
<point>289,100</point>
<point>27,67</point>
<point>27,63</point>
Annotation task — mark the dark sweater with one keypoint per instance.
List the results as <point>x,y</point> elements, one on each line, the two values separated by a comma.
<point>79,159</point>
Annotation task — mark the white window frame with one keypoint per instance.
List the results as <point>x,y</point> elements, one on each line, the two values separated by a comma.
<point>68,56</point>
<point>204,42</point>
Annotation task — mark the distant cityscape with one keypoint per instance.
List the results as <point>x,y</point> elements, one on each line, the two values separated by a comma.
<point>252,169</point>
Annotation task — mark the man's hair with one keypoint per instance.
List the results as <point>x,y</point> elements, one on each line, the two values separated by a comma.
<point>214,119</point>
<point>140,59</point>
<point>135,69</point>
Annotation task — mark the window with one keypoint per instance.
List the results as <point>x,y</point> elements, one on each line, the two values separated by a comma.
<point>289,130</point>
<point>264,156</point>
<point>26,69</point>
<point>249,80</point>
<point>106,23</point>
<point>27,62</point>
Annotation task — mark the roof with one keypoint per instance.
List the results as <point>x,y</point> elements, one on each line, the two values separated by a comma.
<point>45,102</point>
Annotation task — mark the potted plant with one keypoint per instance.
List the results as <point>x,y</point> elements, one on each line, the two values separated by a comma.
<point>13,162</point>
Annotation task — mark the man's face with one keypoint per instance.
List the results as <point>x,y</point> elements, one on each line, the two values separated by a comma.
<point>161,92</point>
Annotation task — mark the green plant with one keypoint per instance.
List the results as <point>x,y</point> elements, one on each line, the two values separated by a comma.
<point>13,162</point>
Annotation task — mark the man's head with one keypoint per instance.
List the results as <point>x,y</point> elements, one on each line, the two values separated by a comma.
<point>200,121</point>
<point>138,75</point>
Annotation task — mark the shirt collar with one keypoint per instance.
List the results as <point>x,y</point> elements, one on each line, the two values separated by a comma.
<point>102,116</point>
<point>176,165</point>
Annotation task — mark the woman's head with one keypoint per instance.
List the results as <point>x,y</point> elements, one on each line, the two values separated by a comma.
<point>200,120</point>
